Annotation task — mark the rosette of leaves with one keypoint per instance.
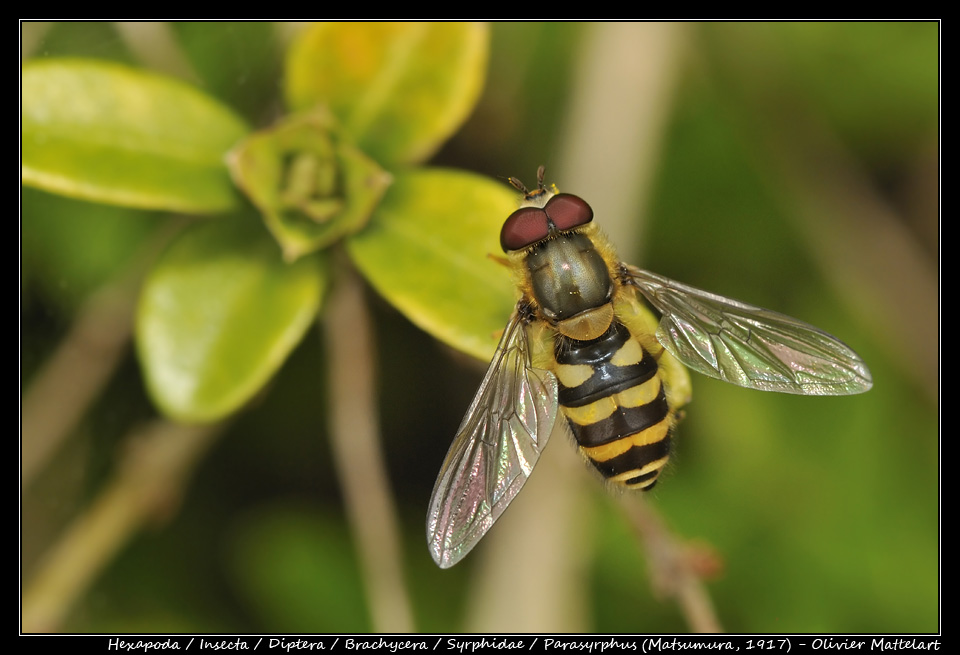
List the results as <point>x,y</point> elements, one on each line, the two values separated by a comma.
<point>229,300</point>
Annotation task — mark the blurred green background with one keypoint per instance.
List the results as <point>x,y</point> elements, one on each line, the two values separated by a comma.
<point>790,165</point>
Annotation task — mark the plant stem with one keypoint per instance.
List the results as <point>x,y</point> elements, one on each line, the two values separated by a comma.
<point>147,485</point>
<point>614,129</point>
<point>355,436</point>
<point>671,570</point>
<point>73,377</point>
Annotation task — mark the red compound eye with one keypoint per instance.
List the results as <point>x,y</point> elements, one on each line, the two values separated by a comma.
<point>523,228</point>
<point>568,211</point>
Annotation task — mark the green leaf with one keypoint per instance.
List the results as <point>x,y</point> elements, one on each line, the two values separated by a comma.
<point>219,314</point>
<point>311,186</point>
<point>108,133</point>
<point>426,250</point>
<point>400,89</point>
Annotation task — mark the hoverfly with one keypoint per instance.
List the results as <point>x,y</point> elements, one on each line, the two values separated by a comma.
<point>583,342</point>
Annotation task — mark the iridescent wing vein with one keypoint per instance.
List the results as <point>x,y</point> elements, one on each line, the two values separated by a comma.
<point>495,449</point>
<point>747,345</point>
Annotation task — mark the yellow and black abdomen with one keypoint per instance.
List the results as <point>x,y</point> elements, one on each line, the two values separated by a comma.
<point>612,395</point>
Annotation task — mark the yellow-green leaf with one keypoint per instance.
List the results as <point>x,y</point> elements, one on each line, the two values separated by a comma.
<point>427,250</point>
<point>109,133</point>
<point>399,89</point>
<point>218,316</point>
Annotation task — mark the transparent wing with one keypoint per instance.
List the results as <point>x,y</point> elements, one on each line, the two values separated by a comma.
<point>746,345</point>
<point>495,449</point>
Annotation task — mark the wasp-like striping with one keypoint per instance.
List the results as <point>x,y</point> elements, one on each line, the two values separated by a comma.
<point>583,343</point>
<point>619,415</point>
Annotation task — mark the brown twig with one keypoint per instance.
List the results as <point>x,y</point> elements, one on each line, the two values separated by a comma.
<point>355,440</point>
<point>673,572</point>
<point>73,377</point>
<point>148,484</point>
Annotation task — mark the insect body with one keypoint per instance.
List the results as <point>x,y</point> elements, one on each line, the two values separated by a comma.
<point>583,343</point>
<point>613,397</point>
